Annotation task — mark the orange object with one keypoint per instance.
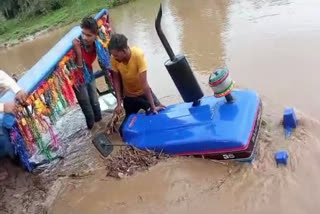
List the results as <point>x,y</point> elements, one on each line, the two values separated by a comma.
<point>23,122</point>
<point>29,101</point>
<point>100,23</point>
<point>45,86</point>
<point>40,91</point>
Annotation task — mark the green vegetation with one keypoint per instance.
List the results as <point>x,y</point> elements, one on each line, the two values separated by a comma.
<point>19,21</point>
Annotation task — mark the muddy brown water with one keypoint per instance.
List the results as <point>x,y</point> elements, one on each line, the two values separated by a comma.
<point>270,46</point>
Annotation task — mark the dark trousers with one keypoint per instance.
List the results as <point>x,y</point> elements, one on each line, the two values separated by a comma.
<point>89,102</point>
<point>6,148</point>
<point>133,105</point>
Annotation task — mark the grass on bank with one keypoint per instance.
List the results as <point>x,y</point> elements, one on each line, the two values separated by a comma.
<point>13,30</point>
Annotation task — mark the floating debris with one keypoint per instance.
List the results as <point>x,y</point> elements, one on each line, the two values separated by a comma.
<point>290,121</point>
<point>128,160</point>
<point>113,126</point>
<point>282,157</point>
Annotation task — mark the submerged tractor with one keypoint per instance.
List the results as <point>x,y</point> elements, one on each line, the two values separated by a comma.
<point>224,126</point>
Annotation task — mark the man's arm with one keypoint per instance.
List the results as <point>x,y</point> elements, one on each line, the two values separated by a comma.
<point>9,108</point>
<point>117,86</point>
<point>147,90</point>
<point>148,93</point>
<point>142,69</point>
<point>116,83</point>
<point>7,82</point>
<point>78,53</point>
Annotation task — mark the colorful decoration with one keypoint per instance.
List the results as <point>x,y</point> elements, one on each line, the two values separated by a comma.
<point>49,102</point>
<point>20,149</point>
<point>103,55</point>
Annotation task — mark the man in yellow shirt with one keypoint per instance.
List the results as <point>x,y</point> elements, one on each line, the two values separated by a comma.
<point>130,77</point>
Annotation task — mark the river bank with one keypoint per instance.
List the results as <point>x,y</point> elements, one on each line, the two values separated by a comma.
<point>18,30</point>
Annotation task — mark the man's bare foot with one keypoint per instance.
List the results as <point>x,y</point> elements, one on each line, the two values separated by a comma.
<point>3,174</point>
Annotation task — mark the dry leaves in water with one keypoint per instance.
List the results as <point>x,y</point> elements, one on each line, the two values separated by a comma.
<point>128,160</point>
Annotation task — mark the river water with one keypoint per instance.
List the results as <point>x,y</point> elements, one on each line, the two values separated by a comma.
<point>270,46</point>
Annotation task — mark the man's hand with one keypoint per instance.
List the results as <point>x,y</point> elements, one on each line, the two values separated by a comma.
<point>10,108</point>
<point>21,96</point>
<point>156,109</point>
<point>118,109</point>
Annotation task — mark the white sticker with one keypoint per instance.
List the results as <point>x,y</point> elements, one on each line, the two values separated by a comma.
<point>228,156</point>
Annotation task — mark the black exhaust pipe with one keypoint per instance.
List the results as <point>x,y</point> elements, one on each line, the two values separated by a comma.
<point>179,69</point>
